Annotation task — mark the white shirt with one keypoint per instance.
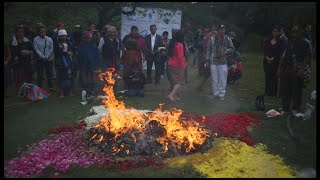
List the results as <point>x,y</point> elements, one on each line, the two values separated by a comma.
<point>101,43</point>
<point>153,40</point>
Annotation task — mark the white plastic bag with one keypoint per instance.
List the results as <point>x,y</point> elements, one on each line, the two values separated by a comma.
<point>272,113</point>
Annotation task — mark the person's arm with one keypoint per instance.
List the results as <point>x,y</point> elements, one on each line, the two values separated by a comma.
<point>210,53</point>
<point>49,50</point>
<point>160,42</point>
<point>230,49</point>
<point>180,55</point>
<point>101,43</point>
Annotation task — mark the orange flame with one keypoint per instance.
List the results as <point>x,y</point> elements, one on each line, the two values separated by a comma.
<point>122,119</point>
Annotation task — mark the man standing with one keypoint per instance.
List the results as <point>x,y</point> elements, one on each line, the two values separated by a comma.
<point>219,48</point>
<point>28,33</point>
<point>197,40</point>
<point>283,38</point>
<point>291,70</point>
<point>153,42</point>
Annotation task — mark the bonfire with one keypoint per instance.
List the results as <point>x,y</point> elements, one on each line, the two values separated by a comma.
<point>126,131</point>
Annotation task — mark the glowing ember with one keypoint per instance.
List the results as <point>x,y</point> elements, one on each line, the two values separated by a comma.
<point>127,131</point>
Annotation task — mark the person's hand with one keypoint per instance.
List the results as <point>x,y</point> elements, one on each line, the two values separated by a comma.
<point>69,53</point>
<point>24,52</point>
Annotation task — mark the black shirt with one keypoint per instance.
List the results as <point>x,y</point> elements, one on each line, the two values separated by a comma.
<point>296,51</point>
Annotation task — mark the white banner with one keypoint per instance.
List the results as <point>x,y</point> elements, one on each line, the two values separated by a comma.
<point>164,19</point>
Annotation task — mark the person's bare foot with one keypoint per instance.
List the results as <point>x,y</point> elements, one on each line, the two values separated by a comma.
<point>171,99</point>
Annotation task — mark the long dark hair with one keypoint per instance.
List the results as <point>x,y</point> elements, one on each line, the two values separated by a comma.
<point>178,37</point>
<point>277,28</point>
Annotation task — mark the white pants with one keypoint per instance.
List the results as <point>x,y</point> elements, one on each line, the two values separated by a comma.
<point>219,74</point>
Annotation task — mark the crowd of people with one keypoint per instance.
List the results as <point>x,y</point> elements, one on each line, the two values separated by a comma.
<point>60,55</point>
<point>287,65</point>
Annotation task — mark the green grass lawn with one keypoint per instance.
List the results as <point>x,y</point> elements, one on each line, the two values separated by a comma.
<point>28,122</point>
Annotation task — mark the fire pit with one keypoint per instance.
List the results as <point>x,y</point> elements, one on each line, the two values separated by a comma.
<point>126,131</point>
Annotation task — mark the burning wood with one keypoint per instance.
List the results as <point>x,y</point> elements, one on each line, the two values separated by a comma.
<point>126,131</point>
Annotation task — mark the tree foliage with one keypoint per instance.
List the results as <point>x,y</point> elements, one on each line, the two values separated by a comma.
<point>242,17</point>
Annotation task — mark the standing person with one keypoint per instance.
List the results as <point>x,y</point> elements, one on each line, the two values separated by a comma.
<point>219,48</point>
<point>308,34</point>
<point>292,68</point>
<point>77,38</point>
<point>95,33</point>
<point>7,70</point>
<point>153,42</point>
<point>22,54</point>
<point>28,33</point>
<point>177,64</point>
<point>272,53</point>
<point>171,81</point>
<point>64,63</point>
<point>77,35</point>
<point>163,53</point>
<point>234,60</point>
<point>203,64</point>
<point>141,44</point>
<point>88,61</point>
<point>197,40</point>
<point>54,37</point>
<point>110,49</point>
<point>131,60</point>
<point>44,49</point>
<point>283,38</point>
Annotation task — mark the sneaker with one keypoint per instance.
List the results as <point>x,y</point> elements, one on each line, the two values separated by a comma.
<point>221,98</point>
<point>84,102</point>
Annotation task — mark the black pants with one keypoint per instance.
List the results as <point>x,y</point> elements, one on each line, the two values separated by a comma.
<point>47,66</point>
<point>271,80</point>
<point>163,60</point>
<point>291,87</point>
<point>153,59</point>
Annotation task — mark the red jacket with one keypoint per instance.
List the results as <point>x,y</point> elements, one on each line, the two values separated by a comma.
<point>178,59</point>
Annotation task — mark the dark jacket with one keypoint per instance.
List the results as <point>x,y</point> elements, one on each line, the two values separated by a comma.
<point>158,43</point>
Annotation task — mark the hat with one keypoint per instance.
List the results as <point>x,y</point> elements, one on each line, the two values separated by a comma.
<point>62,32</point>
<point>77,26</point>
<point>220,26</point>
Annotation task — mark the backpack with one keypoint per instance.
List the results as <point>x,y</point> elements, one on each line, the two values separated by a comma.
<point>32,92</point>
<point>259,103</point>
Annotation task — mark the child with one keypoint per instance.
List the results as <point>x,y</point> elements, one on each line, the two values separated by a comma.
<point>64,63</point>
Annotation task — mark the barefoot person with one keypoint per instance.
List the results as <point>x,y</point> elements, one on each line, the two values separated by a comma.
<point>177,64</point>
